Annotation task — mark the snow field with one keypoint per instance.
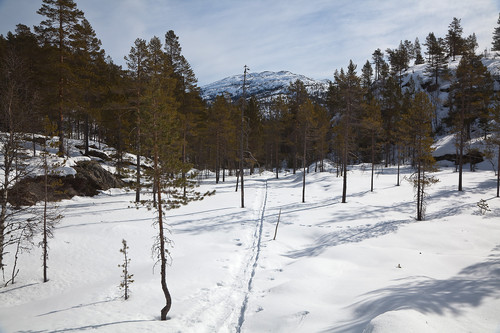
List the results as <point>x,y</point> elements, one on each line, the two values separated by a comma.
<point>333,267</point>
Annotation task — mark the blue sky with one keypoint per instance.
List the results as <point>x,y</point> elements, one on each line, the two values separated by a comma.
<point>309,37</point>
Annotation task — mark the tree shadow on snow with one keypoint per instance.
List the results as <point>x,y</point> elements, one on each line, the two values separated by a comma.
<point>351,235</point>
<point>90,327</point>
<point>77,306</point>
<point>468,288</point>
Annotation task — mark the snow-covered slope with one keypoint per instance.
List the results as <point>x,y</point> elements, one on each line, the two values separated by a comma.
<point>362,266</point>
<point>261,85</point>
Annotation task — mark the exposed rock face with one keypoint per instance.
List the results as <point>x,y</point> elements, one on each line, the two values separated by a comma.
<point>92,178</point>
<point>88,181</point>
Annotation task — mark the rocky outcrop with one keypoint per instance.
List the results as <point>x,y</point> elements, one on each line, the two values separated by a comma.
<point>90,178</point>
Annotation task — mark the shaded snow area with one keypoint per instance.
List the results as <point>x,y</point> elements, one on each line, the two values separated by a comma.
<point>363,266</point>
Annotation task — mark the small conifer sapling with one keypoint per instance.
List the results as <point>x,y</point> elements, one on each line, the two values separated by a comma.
<point>483,206</point>
<point>127,277</point>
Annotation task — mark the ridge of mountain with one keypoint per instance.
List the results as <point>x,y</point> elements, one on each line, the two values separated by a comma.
<point>262,85</point>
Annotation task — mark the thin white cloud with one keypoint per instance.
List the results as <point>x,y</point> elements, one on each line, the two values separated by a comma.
<point>310,37</point>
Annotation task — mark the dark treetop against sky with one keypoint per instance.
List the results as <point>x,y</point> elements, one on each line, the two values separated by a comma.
<point>310,37</point>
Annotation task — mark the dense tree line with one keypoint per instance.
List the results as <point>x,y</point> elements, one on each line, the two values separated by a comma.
<point>64,74</point>
<point>154,109</point>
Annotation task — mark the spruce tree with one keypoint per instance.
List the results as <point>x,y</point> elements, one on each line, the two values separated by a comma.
<point>127,277</point>
<point>418,53</point>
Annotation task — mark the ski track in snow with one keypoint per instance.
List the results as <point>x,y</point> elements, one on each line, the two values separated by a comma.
<point>256,252</point>
<point>222,308</point>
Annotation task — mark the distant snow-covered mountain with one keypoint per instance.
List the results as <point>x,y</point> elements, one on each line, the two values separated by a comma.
<point>262,85</point>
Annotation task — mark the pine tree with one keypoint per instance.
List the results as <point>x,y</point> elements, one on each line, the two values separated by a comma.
<point>390,108</point>
<point>186,93</point>
<point>162,138</point>
<point>296,96</point>
<point>366,75</point>
<point>436,64</point>
<point>349,108</point>
<point>494,139</point>
<point>88,64</point>
<point>454,40</point>
<point>254,138</point>
<point>496,36</point>
<point>418,125</point>
<point>305,122</point>
<point>58,30</point>
<point>221,133</point>
<point>399,59</point>
<point>50,214</point>
<point>274,128</point>
<point>378,60</point>
<point>137,70</point>
<point>321,133</point>
<point>470,95</point>
<point>470,44</point>
<point>371,123</point>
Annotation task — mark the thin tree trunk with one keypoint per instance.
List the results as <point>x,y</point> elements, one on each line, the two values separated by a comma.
<point>277,159</point>
<point>163,259</point>
<point>399,164</point>
<point>498,173</point>
<point>164,287</point>
<point>373,161</point>
<point>419,208</point>
<point>237,180</point>
<point>138,161</point>
<point>461,146</point>
<point>86,134</point>
<point>45,254</point>
<point>61,88</point>
<point>304,168</point>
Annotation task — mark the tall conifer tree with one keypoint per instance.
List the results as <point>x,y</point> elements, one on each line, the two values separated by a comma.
<point>418,125</point>
<point>454,40</point>
<point>138,72</point>
<point>58,30</point>
<point>496,36</point>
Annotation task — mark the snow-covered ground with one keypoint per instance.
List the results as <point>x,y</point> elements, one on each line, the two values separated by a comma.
<point>363,266</point>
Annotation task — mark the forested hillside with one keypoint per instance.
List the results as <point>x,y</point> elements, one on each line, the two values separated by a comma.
<point>58,85</point>
<point>64,76</point>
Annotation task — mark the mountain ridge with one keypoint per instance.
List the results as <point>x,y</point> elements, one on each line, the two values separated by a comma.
<point>262,85</point>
